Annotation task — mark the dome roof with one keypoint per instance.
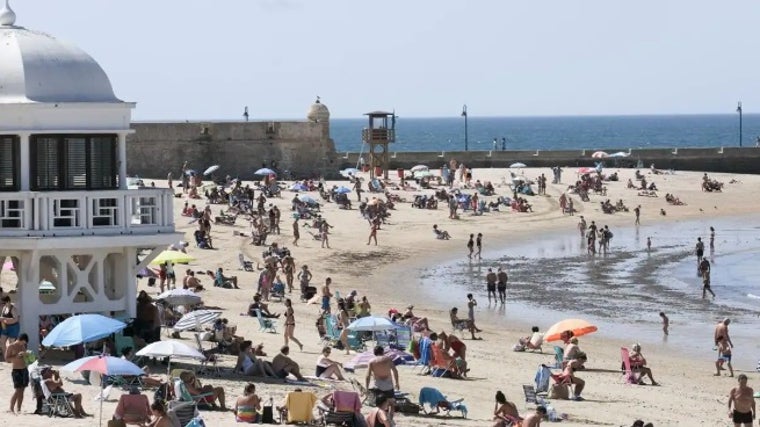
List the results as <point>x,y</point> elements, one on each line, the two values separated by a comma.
<point>35,67</point>
<point>318,112</point>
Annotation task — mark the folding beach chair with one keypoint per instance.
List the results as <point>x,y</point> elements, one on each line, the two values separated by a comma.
<point>266,325</point>
<point>559,357</point>
<point>298,408</point>
<point>433,398</point>
<point>183,411</point>
<point>55,404</point>
<point>209,363</point>
<point>245,265</point>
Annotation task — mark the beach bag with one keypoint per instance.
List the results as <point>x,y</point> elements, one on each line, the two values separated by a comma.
<point>559,391</point>
<point>405,406</point>
<point>518,347</point>
<point>267,415</point>
<point>116,423</point>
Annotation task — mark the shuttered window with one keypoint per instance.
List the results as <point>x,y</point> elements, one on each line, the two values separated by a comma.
<point>73,162</point>
<point>9,163</point>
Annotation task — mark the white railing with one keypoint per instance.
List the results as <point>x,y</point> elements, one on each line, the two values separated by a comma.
<point>74,213</point>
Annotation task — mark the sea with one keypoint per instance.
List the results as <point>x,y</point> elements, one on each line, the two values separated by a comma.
<point>557,133</point>
<point>552,277</point>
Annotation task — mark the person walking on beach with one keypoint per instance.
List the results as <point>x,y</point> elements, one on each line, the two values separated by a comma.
<point>582,227</point>
<point>491,285</point>
<point>296,233</point>
<point>741,403</point>
<point>14,355</point>
<point>323,234</point>
<point>649,244</point>
<point>704,271</point>
<point>290,324</point>
<point>712,240</point>
<point>471,303</point>
<point>373,233</point>
<point>700,250</point>
<point>637,212</point>
<point>470,246</point>
<point>501,284</point>
<point>479,245</point>
<point>326,295</point>
<point>665,322</point>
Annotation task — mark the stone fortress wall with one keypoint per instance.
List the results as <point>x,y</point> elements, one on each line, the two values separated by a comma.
<point>306,150</point>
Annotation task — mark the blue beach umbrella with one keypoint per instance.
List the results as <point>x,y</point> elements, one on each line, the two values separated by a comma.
<point>306,199</point>
<point>298,187</point>
<point>371,324</point>
<point>342,190</point>
<point>265,171</point>
<point>82,328</point>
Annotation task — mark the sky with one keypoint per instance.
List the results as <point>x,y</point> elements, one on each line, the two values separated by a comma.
<point>204,60</point>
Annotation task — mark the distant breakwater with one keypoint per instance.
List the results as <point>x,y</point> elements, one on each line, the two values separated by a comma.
<point>718,159</point>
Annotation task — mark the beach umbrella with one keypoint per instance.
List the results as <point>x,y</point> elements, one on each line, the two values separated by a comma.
<point>298,187</point>
<point>584,171</point>
<point>191,172</point>
<point>371,324</point>
<point>176,257</point>
<point>579,327</point>
<point>170,349</point>
<point>180,297</point>
<point>349,171</point>
<point>47,287</point>
<point>419,168</point>
<point>342,190</point>
<point>518,165</point>
<point>104,365</point>
<point>599,155</point>
<point>362,360</point>
<point>306,199</point>
<point>265,171</point>
<point>422,174</point>
<point>82,328</point>
<point>211,169</point>
<point>620,154</point>
<point>195,319</point>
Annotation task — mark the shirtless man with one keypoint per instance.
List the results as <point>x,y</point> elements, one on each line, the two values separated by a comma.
<point>699,249</point>
<point>191,282</point>
<point>326,295</point>
<point>296,233</point>
<point>14,354</point>
<point>501,277</point>
<point>491,285</point>
<point>479,244</point>
<point>385,372</point>
<point>534,419</point>
<point>721,333</point>
<point>743,401</point>
<point>582,226</point>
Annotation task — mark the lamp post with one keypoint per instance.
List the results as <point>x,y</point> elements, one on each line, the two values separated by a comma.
<point>466,136</point>
<point>739,110</point>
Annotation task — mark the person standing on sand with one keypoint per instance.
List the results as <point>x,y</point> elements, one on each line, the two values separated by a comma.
<point>637,211</point>
<point>470,246</point>
<point>471,303</point>
<point>373,233</point>
<point>491,285</point>
<point>384,370</point>
<point>665,322</point>
<point>501,277</point>
<point>741,403</point>
<point>323,234</point>
<point>290,324</point>
<point>304,277</point>
<point>582,227</point>
<point>14,355</point>
<point>479,244</point>
<point>296,233</point>
<point>704,271</point>
<point>724,357</point>
<point>326,295</point>
<point>721,332</point>
<point>453,205</point>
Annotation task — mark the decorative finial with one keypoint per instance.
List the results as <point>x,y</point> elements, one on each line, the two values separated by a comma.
<point>315,102</point>
<point>7,15</point>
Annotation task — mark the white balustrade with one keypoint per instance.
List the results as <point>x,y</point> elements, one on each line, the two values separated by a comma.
<point>71,213</point>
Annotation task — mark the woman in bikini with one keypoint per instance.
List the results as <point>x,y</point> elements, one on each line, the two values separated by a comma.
<point>290,324</point>
<point>378,417</point>
<point>505,412</point>
<point>289,268</point>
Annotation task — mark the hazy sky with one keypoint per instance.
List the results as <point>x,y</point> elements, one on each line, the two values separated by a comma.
<point>208,59</point>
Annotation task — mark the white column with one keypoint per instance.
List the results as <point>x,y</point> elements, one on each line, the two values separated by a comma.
<point>28,298</point>
<point>122,145</point>
<point>24,162</point>
<point>130,281</point>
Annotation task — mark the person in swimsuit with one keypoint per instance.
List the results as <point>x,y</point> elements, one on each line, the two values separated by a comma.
<point>479,245</point>
<point>290,324</point>
<point>491,285</point>
<point>704,271</point>
<point>296,233</point>
<point>326,295</point>
<point>470,246</point>
<point>379,416</point>
<point>712,239</point>
<point>289,268</point>
<point>385,373</point>
<point>700,250</point>
<point>304,277</point>
<point>505,412</point>
<point>582,226</point>
<point>247,406</point>
<point>9,318</point>
<point>328,368</point>
<point>741,403</point>
<point>471,303</point>
<point>160,417</point>
<point>724,357</point>
<point>501,284</point>
<point>14,355</point>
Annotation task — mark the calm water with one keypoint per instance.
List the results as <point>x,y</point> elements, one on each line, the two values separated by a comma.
<point>557,133</point>
<point>552,278</point>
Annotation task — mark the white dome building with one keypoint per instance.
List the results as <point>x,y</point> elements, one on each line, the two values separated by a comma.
<point>67,217</point>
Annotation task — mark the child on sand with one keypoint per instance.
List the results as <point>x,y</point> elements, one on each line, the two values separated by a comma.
<point>665,323</point>
<point>724,356</point>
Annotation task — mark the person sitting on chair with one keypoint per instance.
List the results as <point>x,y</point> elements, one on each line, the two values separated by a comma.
<point>262,307</point>
<point>197,390</point>
<point>133,408</point>
<point>54,384</point>
<point>222,281</point>
<point>638,364</point>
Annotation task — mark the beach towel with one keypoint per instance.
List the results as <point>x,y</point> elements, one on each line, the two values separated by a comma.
<point>426,352</point>
<point>346,401</point>
<point>543,375</point>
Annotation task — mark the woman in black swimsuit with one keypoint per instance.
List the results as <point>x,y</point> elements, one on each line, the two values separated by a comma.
<point>290,324</point>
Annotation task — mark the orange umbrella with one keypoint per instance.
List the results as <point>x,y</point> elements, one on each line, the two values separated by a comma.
<point>577,326</point>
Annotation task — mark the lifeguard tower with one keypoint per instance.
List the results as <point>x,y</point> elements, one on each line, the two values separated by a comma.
<point>380,133</point>
<point>68,221</point>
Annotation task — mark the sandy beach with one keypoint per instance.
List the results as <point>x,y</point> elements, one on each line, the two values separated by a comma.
<point>389,274</point>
